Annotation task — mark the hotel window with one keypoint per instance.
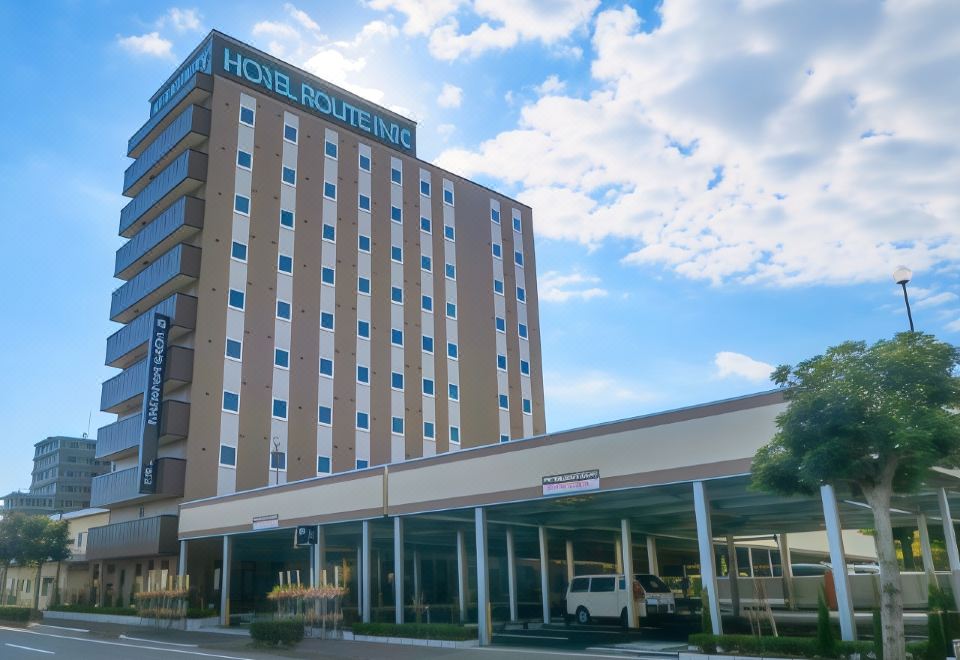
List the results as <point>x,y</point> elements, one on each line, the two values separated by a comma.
<point>231,401</point>
<point>396,380</point>
<point>235,299</point>
<point>239,251</point>
<point>396,425</point>
<point>330,149</point>
<point>428,386</point>
<point>521,294</point>
<point>330,190</point>
<point>279,409</point>
<point>427,344</point>
<point>526,406</point>
<point>500,324</point>
<point>363,374</point>
<point>453,391</point>
<point>286,218</point>
<point>228,455</point>
<point>450,271</point>
<point>428,430</point>
<point>330,233</point>
<point>281,358</point>
<point>241,204</point>
<point>448,197</point>
<point>518,258</point>
<point>327,275</point>
<point>363,329</point>
<point>363,243</point>
<point>498,287</point>
<point>323,464</point>
<point>497,251</point>
<point>455,434</point>
<point>504,437</point>
<point>234,349</point>
<point>362,463</point>
<point>522,330</point>
<point>396,337</point>
<point>283,310</point>
<point>452,351</point>
<point>326,320</point>
<point>449,233</point>
<point>246,115</point>
<point>396,214</point>
<point>363,203</point>
<point>396,176</point>
<point>289,176</point>
<point>396,294</point>
<point>363,421</point>
<point>290,133</point>
<point>325,415</point>
<point>425,225</point>
<point>501,362</point>
<point>504,402</point>
<point>396,253</point>
<point>516,224</point>
<point>425,263</point>
<point>364,163</point>
<point>244,159</point>
<point>278,460</point>
<point>495,215</point>
<point>524,367</point>
<point>451,310</point>
<point>425,188</point>
<point>285,263</point>
<point>426,303</point>
<point>326,367</point>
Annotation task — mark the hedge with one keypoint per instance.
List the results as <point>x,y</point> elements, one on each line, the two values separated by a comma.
<point>442,631</point>
<point>286,632</point>
<point>19,614</point>
<point>92,609</point>
<point>797,647</point>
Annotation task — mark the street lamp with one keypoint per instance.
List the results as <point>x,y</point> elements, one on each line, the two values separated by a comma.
<point>901,276</point>
<point>275,455</point>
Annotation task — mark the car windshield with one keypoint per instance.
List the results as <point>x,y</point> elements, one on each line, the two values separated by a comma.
<point>652,583</point>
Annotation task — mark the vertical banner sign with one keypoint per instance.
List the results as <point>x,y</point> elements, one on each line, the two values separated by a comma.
<point>153,403</point>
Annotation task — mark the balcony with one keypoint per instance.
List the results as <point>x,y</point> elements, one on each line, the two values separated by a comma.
<point>194,91</point>
<point>125,389</point>
<point>117,439</point>
<point>187,130</point>
<point>129,343</point>
<point>179,221</point>
<point>163,277</point>
<point>183,175</point>
<point>144,537</point>
<point>121,487</point>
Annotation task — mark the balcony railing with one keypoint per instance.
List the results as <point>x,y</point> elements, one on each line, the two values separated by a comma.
<point>187,129</point>
<point>195,89</point>
<point>124,389</point>
<point>185,173</point>
<point>122,486</point>
<point>128,344</point>
<point>154,283</point>
<point>115,439</point>
<point>143,537</point>
<point>179,221</point>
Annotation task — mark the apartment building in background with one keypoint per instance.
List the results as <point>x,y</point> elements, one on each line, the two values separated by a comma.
<point>336,303</point>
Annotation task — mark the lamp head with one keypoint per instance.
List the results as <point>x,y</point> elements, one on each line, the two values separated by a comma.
<point>902,275</point>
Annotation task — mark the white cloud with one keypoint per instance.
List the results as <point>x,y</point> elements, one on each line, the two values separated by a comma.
<point>301,17</point>
<point>451,96</point>
<point>953,326</point>
<point>150,44</point>
<point>738,365</point>
<point>773,143</point>
<point>552,85</point>
<point>421,15</point>
<point>553,286</point>
<point>593,389</point>
<point>184,20</point>
<point>935,300</point>
<point>446,130</point>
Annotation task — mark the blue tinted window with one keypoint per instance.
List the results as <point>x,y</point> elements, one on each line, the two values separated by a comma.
<point>451,310</point>
<point>396,380</point>
<point>453,391</point>
<point>363,285</point>
<point>497,250</point>
<point>246,115</point>
<point>504,438</point>
<point>428,344</point>
<point>280,408</point>
<point>521,294</point>
<point>326,320</point>
<point>281,358</point>
<point>326,367</point>
<point>325,415</point>
<point>234,349</point>
<point>228,455</point>
<point>396,294</point>
<point>425,188</point>
<point>425,224</point>
<point>425,263</point>
<point>235,299</point>
<point>498,286</point>
<point>396,253</point>
<point>290,133</point>
<point>426,303</point>
<point>238,251</point>
<point>364,163</point>
<point>502,362</point>
<point>448,197</point>
<point>283,310</point>
<point>428,431</point>
<point>330,148</point>
<point>501,325</point>
<point>428,386</point>
<point>396,425</point>
<point>452,350</point>
<point>495,215</point>
<point>524,367</point>
<point>516,224</point>
<point>323,464</point>
<point>364,203</point>
<point>327,275</point>
<point>522,330</point>
<point>363,329</point>
<point>363,420</point>
<point>362,463</point>
<point>527,406</point>
<point>504,403</point>
<point>329,233</point>
<point>363,374</point>
<point>448,232</point>
<point>241,204</point>
<point>396,176</point>
<point>450,271</point>
<point>329,190</point>
<point>244,159</point>
<point>396,214</point>
<point>286,218</point>
<point>455,434</point>
<point>289,176</point>
<point>518,258</point>
<point>231,401</point>
<point>285,263</point>
<point>363,243</point>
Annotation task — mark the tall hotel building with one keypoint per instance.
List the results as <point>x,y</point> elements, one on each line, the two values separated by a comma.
<point>336,303</point>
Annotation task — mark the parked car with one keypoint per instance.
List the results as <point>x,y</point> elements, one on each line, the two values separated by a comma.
<point>592,597</point>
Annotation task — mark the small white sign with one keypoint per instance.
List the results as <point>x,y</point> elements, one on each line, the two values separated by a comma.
<point>266,522</point>
<point>571,482</point>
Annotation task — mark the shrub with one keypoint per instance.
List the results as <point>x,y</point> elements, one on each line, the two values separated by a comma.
<point>826,642</point>
<point>18,614</point>
<point>443,631</point>
<point>877,634</point>
<point>706,625</point>
<point>91,609</point>
<point>917,650</point>
<point>800,647</point>
<point>286,632</point>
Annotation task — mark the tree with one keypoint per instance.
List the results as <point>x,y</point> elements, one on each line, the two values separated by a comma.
<point>9,546</point>
<point>870,420</point>
<point>42,540</point>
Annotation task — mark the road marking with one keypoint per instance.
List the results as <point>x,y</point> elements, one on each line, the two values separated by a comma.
<point>47,625</point>
<point>28,648</point>
<point>132,646</point>
<point>529,636</point>
<point>157,641</point>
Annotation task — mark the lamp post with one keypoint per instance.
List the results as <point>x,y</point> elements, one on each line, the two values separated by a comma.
<point>276,460</point>
<point>901,276</point>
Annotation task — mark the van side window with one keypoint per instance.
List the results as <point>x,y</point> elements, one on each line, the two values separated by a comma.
<point>602,584</point>
<point>623,584</point>
<point>579,585</point>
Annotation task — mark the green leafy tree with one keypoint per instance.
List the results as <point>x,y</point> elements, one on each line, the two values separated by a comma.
<point>869,420</point>
<point>9,545</point>
<point>42,540</point>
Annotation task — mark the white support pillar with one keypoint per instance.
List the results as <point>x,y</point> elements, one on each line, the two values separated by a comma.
<point>365,573</point>
<point>398,569</point>
<point>618,555</point>
<point>224,583</point>
<point>483,578</point>
<point>511,575</point>
<point>950,540</point>
<point>626,544</point>
<point>182,559</point>
<point>926,553</point>
<point>462,575</point>
<point>652,563</point>
<point>733,575</point>
<point>359,579</point>
<point>786,569</point>
<point>750,560</point>
<point>838,563</point>
<point>708,567</point>
<point>570,566</point>
<point>544,573</point>
<point>320,554</point>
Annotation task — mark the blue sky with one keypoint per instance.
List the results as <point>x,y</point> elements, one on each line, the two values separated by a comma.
<point>717,186</point>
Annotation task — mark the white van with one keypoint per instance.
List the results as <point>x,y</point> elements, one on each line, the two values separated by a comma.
<point>605,597</point>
